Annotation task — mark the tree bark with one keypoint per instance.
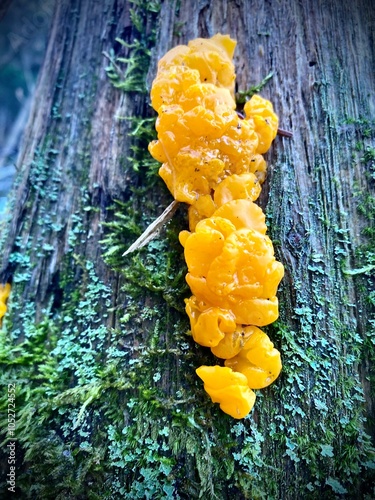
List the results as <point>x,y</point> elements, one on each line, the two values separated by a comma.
<point>108,403</point>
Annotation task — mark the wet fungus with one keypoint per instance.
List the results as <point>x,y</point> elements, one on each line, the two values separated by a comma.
<point>212,160</point>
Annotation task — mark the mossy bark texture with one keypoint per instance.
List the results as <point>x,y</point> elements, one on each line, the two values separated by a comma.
<point>107,401</point>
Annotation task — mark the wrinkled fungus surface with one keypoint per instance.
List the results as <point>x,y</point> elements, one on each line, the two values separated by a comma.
<point>212,160</point>
<point>228,388</point>
<point>201,139</point>
<point>4,294</point>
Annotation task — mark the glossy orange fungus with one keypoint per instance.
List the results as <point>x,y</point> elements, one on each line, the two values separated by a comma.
<point>4,294</point>
<point>212,160</point>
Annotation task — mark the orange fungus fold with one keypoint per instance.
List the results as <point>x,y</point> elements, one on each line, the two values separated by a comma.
<point>4,294</point>
<point>228,388</point>
<point>212,159</point>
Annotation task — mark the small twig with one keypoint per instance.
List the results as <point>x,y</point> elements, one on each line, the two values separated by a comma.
<point>153,229</point>
<point>284,133</point>
<point>113,62</point>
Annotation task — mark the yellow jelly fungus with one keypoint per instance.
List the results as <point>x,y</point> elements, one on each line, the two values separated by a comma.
<point>208,326</point>
<point>4,294</point>
<point>201,139</point>
<point>228,388</point>
<point>203,207</point>
<point>243,214</point>
<point>234,270</point>
<point>247,311</point>
<point>258,166</point>
<point>237,187</point>
<point>212,58</point>
<point>212,160</point>
<point>265,121</point>
<point>258,360</point>
<point>232,343</point>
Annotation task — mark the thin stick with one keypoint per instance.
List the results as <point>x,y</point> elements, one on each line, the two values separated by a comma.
<point>154,228</point>
<point>284,133</point>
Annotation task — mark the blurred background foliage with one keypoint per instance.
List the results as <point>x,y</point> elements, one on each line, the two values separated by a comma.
<point>24,26</point>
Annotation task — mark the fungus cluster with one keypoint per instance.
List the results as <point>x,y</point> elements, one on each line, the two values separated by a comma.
<point>4,294</point>
<point>212,160</point>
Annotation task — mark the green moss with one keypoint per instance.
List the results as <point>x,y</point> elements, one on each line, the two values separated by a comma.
<point>131,79</point>
<point>128,73</point>
<point>244,95</point>
<point>143,131</point>
<point>364,260</point>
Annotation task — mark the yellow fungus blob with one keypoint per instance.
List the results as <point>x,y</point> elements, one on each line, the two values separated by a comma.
<point>208,326</point>
<point>237,187</point>
<point>232,343</point>
<point>233,270</point>
<point>265,121</point>
<point>4,294</point>
<point>228,388</point>
<point>258,359</point>
<point>212,160</point>
<point>201,139</point>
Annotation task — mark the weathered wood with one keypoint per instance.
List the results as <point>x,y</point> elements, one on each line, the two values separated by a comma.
<point>108,401</point>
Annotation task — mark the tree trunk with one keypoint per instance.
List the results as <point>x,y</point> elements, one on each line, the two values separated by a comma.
<point>107,401</point>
